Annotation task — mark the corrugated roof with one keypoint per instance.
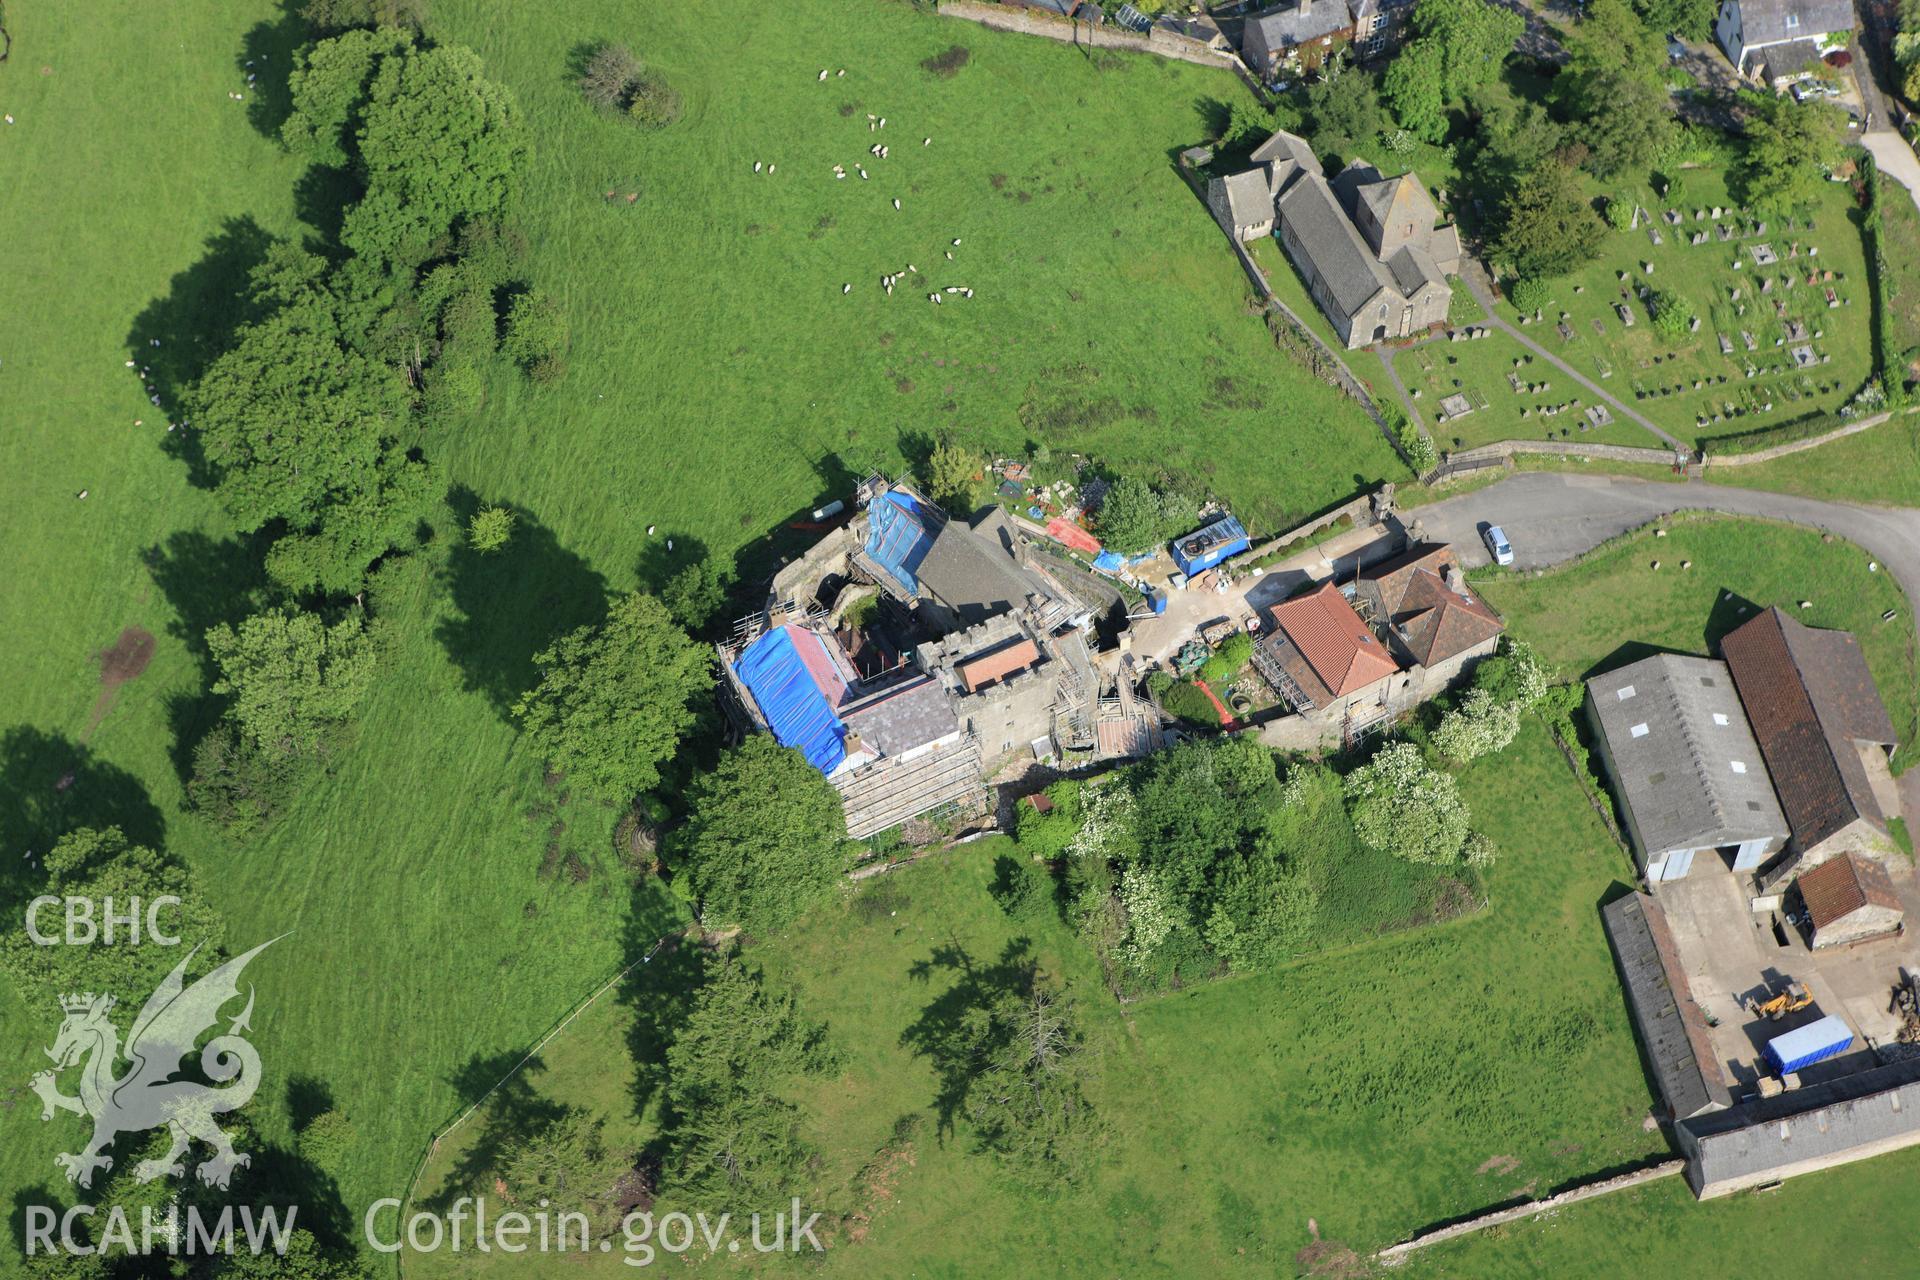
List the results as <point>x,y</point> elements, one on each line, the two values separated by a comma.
<point>1811,698</point>
<point>1333,640</point>
<point>1841,886</point>
<point>1685,761</point>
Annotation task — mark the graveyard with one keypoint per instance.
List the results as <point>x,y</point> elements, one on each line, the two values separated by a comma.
<point>1781,304</point>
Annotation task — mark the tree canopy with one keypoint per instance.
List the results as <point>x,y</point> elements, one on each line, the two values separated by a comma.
<point>1137,515</point>
<point>1790,147</point>
<point>765,835</point>
<point>1454,47</point>
<point>566,1163</point>
<point>1401,805</point>
<point>292,677</point>
<point>1548,226</point>
<point>614,699</point>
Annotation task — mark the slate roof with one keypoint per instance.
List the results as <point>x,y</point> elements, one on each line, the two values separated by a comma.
<point>1841,886</point>
<point>974,572</point>
<point>1249,198</point>
<point>1817,1122</point>
<point>1413,269</point>
<point>1810,698</point>
<point>1336,644</point>
<point>1434,620</point>
<point>902,717</point>
<point>1287,146</point>
<point>1280,29</point>
<point>1765,21</point>
<point>1328,237</point>
<point>1684,758</point>
<point>1673,1030</point>
<point>1789,57</point>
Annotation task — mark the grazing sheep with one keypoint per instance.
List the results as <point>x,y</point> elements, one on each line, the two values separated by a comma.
<point>956,242</point>
<point>769,166</point>
<point>949,255</point>
<point>926,142</point>
<point>841,72</point>
<point>650,529</point>
<point>883,122</point>
<point>969,293</point>
<point>669,544</point>
<point>932,297</point>
<point>823,73</point>
<point>82,495</point>
<point>863,173</point>
<point>756,166</point>
<point>896,202</point>
<point>913,268</point>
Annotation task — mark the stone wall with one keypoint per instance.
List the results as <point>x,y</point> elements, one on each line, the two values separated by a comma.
<point>1611,452</point>
<point>1718,459</point>
<point>1396,1254</point>
<point>1033,22</point>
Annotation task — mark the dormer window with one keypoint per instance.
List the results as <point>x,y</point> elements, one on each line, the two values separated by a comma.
<point>1793,21</point>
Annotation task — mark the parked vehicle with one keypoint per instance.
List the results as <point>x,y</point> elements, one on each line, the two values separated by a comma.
<point>1497,545</point>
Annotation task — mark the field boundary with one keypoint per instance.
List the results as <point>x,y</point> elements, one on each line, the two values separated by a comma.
<point>565,1020</point>
<point>1394,1255</point>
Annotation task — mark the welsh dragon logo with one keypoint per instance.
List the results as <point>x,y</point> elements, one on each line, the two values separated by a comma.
<point>148,1095</point>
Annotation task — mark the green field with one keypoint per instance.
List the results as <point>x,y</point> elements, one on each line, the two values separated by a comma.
<point>1387,1084</point>
<point>1878,465</point>
<point>1691,388</point>
<point>1613,606</point>
<point>720,382</point>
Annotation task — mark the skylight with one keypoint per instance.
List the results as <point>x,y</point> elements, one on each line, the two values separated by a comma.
<point>1719,718</point>
<point>1739,766</point>
<point>1625,691</point>
<point>1640,730</point>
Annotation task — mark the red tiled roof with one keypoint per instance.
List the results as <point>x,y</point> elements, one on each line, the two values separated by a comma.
<point>1841,886</point>
<point>1335,642</point>
<point>1001,663</point>
<point>1433,619</point>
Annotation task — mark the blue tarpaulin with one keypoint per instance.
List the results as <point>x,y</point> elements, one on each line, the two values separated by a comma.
<point>797,710</point>
<point>899,532</point>
<point>1204,548</point>
<point>1109,562</point>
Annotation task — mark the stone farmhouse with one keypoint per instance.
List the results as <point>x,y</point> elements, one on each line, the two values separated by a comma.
<point>1824,733</point>
<point>1296,37</point>
<point>1369,247</point>
<point>1688,774</point>
<point>1776,42</point>
<point>984,657</point>
<point>1347,659</point>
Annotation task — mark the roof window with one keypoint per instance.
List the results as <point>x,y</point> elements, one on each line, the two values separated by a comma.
<point>1625,691</point>
<point>1640,730</point>
<point>1739,766</point>
<point>1720,718</point>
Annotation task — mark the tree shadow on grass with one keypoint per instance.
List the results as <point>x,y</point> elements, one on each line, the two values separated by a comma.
<point>511,1112</point>
<point>194,323</point>
<point>659,994</point>
<point>208,581</point>
<point>266,53</point>
<point>512,603</point>
<point>947,1031</point>
<point>50,785</point>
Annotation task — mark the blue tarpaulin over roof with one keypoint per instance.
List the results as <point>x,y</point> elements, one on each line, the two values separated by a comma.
<point>899,532</point>
<point>1199,551</point>
<point>798,712</point>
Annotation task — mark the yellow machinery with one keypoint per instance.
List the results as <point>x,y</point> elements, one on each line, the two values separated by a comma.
<point>1791,999</point>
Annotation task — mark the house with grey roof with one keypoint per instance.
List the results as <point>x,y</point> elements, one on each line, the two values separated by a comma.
<point>1688,774</point>
<point>1295,37</point>
<point>1775,42</point>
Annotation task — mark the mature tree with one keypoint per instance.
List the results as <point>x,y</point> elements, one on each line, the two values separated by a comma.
<point>1673,315</point>
<point>1346,114</point>
<point>328,86</point>
<point>335,551</point>
<point>734,1140</point>
<point>954,476</point>
<point>1790,148</point>
<point>1548,226</point>
<point>1614,86</point>
<point>1137,515</point>
<point>1479,726</point>
<point>438,147</point>
<point>696,594</point>
<point>1692,19</point>
<point>1474,35</point>
<point>614,699</point>
<point>303,1260</point>
<point>765,835</point>
<point>294,416</point>
<point>1026,1095</point>
<point>97,865</point>
<point>610,72</point>
<point>293,678</point>
<point>1401,806</point>
<point>1415,87</point>
<point>566,1163</point>
<point>337,15</point>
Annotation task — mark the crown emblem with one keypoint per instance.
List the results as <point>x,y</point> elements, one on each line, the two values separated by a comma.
<point>80,1002</point>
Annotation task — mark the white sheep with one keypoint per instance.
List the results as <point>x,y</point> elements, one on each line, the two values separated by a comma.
<point>926,142</point>
<point>770,166</point>
<point>650,529</point>
<point>933,297</point>
<point>896,202</point>
<point>956,242</point>
<point>949,255</point>
<point>846,289</point>
<point>823,73</point>
<point>841,72</point>
<point>883,122</point>
<point>756,166</point>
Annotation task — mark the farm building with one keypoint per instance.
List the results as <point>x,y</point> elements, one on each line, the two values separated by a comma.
<point>1824,733</point>
<point>1848,899</point>
<point>1672,1027</point>
<point>1689,776</point>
